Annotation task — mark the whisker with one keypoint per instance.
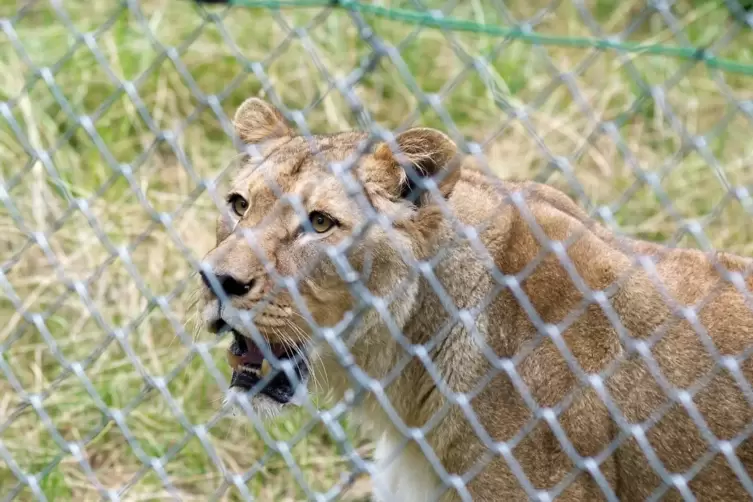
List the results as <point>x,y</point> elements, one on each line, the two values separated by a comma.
<point>298,353</point>
<point>318,362</point>
<point>307,360</point>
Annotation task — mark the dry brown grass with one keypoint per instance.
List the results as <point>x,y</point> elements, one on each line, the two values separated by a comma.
<point>119,292</point>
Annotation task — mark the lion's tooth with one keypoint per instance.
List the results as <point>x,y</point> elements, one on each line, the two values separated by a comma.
<point>265,368</point>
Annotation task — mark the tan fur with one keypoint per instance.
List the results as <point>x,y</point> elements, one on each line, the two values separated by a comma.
<point>647,303</point>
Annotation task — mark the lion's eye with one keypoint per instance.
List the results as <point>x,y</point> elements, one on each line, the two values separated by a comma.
<point>320,222</point>
<point>239,204</point>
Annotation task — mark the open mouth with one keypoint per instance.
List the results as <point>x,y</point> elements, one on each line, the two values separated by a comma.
<point>250,367</point>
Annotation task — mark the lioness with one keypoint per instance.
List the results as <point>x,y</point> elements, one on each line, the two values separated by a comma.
<point>524,350</point>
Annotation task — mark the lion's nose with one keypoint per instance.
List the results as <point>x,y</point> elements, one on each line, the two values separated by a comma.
<point>228,284</point>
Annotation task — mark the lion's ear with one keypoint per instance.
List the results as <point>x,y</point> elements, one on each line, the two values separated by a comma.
<point>429,152</point>
<point>256,121</point>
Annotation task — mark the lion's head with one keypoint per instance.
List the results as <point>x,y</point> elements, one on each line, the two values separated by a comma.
<point>296,242</point>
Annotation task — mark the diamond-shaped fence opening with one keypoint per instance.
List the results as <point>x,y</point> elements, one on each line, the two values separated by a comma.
<point>463,334</point>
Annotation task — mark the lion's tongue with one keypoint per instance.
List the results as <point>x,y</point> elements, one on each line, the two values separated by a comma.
<point>255,357</point>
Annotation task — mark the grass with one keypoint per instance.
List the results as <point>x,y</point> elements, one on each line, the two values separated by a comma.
<point>130,47</point>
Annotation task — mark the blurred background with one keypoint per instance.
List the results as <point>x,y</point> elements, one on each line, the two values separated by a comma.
<point>112,115</point>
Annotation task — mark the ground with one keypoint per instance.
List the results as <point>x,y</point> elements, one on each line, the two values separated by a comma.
<point>127,214</point>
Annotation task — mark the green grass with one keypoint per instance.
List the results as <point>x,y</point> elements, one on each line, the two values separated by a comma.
<point>518,73</point>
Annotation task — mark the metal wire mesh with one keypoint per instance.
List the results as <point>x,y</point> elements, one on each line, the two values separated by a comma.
<point>107,187</point>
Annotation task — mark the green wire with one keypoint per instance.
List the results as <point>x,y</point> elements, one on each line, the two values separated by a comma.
<point>454,24</point>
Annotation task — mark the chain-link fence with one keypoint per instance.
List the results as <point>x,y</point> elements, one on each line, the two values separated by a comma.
<point>118,152</point>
